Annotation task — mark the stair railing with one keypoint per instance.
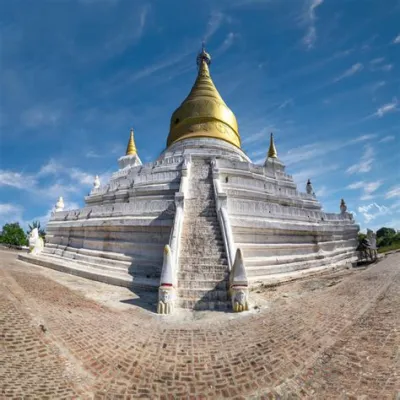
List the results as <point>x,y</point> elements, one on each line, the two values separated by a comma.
<point>223,218</point>
<point>169,272</point>
<point>238,282</point>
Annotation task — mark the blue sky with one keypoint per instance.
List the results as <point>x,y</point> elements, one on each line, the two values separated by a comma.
<point>323,75</point>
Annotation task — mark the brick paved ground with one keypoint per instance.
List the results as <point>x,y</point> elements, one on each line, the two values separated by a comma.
<point>331,337</point>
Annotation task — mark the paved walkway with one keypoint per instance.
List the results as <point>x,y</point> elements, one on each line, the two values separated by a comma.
<point>331,337</point>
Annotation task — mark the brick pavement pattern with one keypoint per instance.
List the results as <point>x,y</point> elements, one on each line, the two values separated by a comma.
<point>329,337</point>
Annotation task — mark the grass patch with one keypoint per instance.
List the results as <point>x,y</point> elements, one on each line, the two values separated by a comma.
<point>393,246</point>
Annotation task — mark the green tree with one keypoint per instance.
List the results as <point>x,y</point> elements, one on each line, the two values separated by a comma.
<point>36,224</point>
<point>387,238</point>
<point>361,236</point>
<point>13,235</point>
<point>385,232</point>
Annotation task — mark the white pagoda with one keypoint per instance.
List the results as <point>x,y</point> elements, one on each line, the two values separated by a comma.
<point>202,223</point>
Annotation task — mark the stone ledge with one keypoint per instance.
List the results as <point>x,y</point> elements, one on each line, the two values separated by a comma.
<point>278,278</point>
<point>115,279</point>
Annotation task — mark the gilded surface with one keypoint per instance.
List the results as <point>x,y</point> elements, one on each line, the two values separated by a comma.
<point>203,113</point>
<point>272,153</point>
<point>131,148</point>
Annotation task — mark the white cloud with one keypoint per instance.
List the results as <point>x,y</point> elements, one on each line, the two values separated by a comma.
<point>51,168</point>
<point>67,180</point>
<point>40,116</point>
<point>322,191</point>
<point>286,103</point>
<point>387,67</point>
<point>368,188</point>
<point>393,192</point>
<point>396,40</point>
<point>214,23</point>
<point>372,186</point>
<point>377,65</point>
<point>10,213</point>
<point>300,177</point>
<point>8,208</point>
<point>386,139</point>
<point>318,149</point>
<point>58,189</point>
<point>17,180</point>
<point>377,86</point>
<point>365,163</point>
<point>356,185</point>
<point>386,108</point>
<point>127,35</point>
<point>227,43</point>
<point>83,178</point>
<point>362,138</point>
<point>259,136</point>
<point>164,63</point>
<point>142,19</point>
<point>349,72</point>
<point>54,167</point>
<point>92,154</point>
<point>309,19</point>
<point>310,37</point>
<point>378,60</point>
<point>395,205</point>
<point>372,211</point>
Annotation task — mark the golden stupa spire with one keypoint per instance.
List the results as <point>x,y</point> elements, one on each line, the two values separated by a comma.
<point>203,113</point>
<point>131,148</point>
<point>272,153</point>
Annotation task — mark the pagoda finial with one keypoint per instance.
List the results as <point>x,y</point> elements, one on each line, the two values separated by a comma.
<point>203,56</point>
<point>131,148</point>
<point>272,153</point>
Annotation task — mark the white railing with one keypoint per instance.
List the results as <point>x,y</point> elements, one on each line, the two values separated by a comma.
<point>176,232</point>
<point>223,218</point>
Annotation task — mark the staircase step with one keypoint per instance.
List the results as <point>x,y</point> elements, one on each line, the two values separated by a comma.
<point>260,272</point>
<point>92,263</point>
<point>204,245</point>
<point>204,305</point>
<point>118,279</point>
<point>203,294</point>
<point>203,284</point>
<point>217,261</point>
<point>212,276</point>
<point>203,266</point>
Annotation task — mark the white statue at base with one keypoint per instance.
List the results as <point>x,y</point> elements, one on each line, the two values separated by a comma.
<point>165,300</point>
<point>239,284</point>
<point>240,298</point>
<point>36,243</point>
<point>166,290</point>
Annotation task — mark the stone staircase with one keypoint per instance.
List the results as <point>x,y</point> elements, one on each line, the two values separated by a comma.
<point>203,265</point>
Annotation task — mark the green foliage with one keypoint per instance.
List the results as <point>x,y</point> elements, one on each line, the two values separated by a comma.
<point>36,224</point>
<point>385,232</point>
<point>387,239</point>
<point>392,247</point>
<point>361,236</point>
<point>13,235</point>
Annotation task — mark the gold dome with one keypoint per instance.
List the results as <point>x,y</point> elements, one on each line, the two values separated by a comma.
<point>203,113</point>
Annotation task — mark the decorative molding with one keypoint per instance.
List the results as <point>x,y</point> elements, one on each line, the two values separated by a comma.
<point>239,284</point>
